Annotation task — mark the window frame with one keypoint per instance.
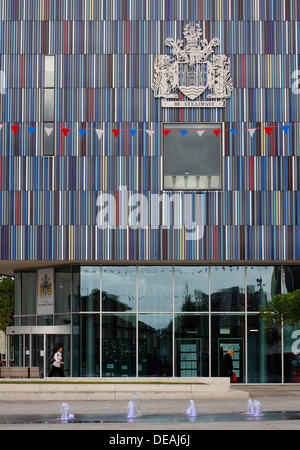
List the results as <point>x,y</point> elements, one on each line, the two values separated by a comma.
<point>185,125</point>
<point>47,123</point>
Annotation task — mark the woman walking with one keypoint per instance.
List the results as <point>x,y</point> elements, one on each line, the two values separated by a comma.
<point>57,366</point>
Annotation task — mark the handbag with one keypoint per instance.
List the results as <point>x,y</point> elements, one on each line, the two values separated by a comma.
<point>234,378</point>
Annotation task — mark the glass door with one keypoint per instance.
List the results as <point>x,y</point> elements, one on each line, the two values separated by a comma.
<point>38,353</point>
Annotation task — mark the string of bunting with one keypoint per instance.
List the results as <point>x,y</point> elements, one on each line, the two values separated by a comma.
<point>116,131</point>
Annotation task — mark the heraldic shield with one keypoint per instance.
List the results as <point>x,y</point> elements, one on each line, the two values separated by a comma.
<point>192,69</point>
<point>193,80</point>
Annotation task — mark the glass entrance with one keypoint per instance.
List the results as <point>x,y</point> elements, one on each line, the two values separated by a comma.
<point>33,346</point>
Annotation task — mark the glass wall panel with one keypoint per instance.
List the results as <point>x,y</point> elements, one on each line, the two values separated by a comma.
<point>291,279</point>
<point>263,283</point>
<point>18,293</point>
<point>155,289</point>
<point>228,331</point>
<point>264,352</point>
<point>192,345</point>
<point>28,294</point>
<point>155,345</point>
<point>49,71</point>
<point>49,102</point>
<point>227,288</point>
<point>191,291</point>
<point>119,345</point>
<point>119,288</point>
<point>86,345</point>
<point>292,354</point>
<point>49,139</point>
<point>89,289</point>
<point>63,289</point>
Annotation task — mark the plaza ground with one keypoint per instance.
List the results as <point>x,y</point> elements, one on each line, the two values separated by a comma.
<point>273,398</point>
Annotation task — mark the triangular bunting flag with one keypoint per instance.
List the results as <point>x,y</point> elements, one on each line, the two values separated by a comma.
<point>31,129</point>
<point>99,133</point>
<point>48,130</point>
<point>116,132</point>
<point>268,130</point>
<point>65,131</point>
<point>200,132</point>
<point>82,132</point>
<point>285,128</point>
<point>233,132</point>
<point>15,128</point>
<point>132,132</point>
<point>166,132</point>
<point>150,132</point>
<point>217,132</point>
<point>252,131</point>
<point>183,132</point>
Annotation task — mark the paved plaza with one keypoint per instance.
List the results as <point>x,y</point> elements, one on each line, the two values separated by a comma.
<point>273,398</point>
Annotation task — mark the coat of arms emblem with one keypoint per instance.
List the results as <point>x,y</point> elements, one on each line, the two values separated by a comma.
<point>45,287</point>
<point>192,69</point>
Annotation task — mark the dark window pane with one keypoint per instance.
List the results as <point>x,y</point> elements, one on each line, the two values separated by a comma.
<point>193,160</point>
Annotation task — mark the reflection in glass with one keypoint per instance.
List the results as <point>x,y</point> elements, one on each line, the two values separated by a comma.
<point>28,294</point>
<point>264,352</point>
<point>291,278</point>
<point>62,286</point>
<point>227,288</point>
<point>119,345</point>
<point>191,288</point>
<point>89,288</point>
<point>228,331</point>
<point>119,288</point>
<point>155,289</point>
<point>263,283</point>
<point>86,345</point>
<point>199,166</point>
<point>155,345</point>
<point>192,345</point>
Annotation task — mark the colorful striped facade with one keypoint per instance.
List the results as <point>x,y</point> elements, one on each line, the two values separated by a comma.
<point>105,56</point>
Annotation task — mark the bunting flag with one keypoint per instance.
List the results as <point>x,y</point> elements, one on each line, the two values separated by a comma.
<point>251,131</point>
<point>100,133</point>
<point>48,130</point>
<point>115,132</point>
<point>268,130</point>
<point>15,128</point>
<point>285,128</point>
<point>65,131</point>
<point>82,132</point>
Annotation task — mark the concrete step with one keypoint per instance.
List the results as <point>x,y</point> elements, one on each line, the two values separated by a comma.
<point>58,389</point>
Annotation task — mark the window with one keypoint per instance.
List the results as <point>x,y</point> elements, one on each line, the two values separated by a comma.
<point>192,156</point>
<point>49,104</point>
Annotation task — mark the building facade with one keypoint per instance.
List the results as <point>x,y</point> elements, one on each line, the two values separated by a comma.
<point>149,184</point>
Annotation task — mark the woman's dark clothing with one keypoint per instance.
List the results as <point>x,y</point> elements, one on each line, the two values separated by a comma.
<point>227,366</point>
